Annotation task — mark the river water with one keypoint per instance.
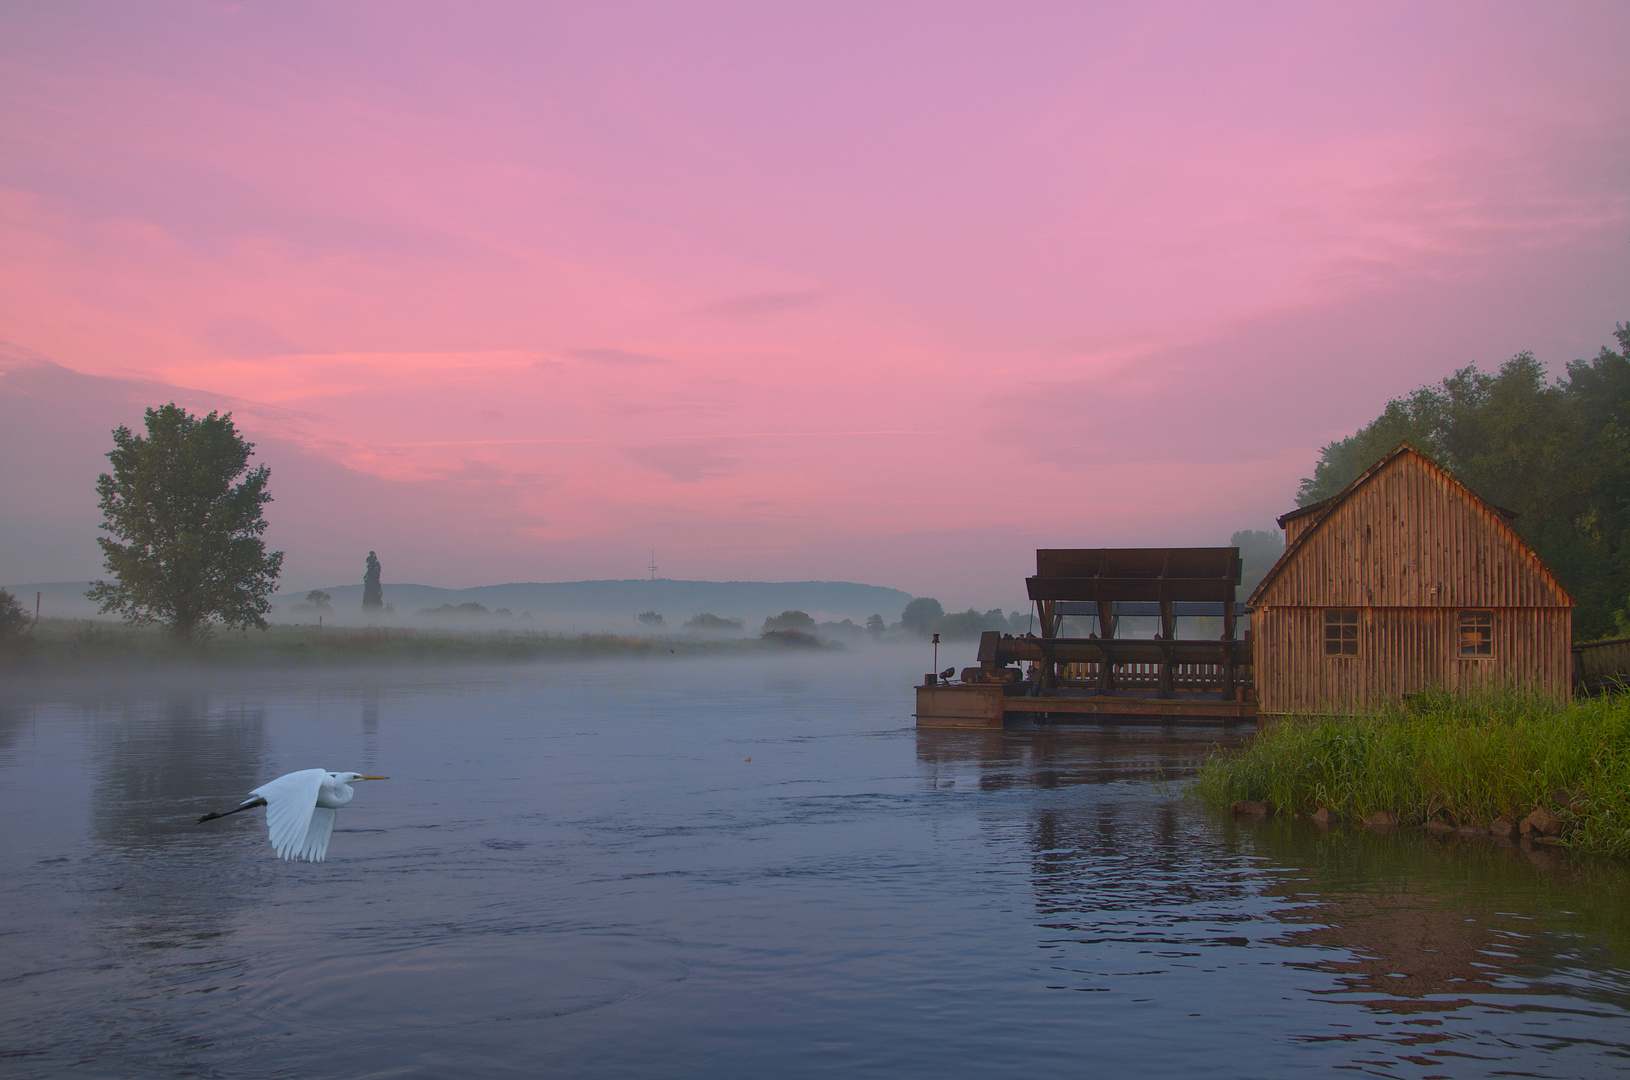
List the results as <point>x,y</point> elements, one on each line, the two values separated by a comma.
<point>577,871</point>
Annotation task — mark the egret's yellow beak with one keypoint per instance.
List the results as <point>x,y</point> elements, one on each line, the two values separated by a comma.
<point>373,778</point>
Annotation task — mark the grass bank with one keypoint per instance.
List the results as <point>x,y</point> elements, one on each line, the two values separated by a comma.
<point>64,644</point>
<point>1471,762</point>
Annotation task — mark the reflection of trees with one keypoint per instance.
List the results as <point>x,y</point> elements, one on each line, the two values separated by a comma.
<point>171,884</point>
<point>13,718</point>
<point>159,769</point>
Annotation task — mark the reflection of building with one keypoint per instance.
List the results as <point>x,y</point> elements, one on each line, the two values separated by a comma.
<point>1404,581</point>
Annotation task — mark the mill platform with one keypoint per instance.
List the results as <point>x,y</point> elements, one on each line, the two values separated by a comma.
<point>1111,673</point>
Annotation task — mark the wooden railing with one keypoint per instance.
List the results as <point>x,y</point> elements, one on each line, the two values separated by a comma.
<point>1146,676</point>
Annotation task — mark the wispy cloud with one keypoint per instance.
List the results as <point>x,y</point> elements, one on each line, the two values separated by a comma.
<point>687,462</point>
<point>758,305</point>
<point>614,357</point>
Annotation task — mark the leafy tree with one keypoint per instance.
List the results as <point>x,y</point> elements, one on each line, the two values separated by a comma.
<point>875,627</point>
<point>707,621</point>
<point>12,616</point>
<point>1556,452</point>
<point>791,620</point>
<point>968,625</point>
<point>922,616</point>
<point>468,608</point>
<point>319,599</point>
<point>187,508</point>
<point>650,618</point>
<point>373,596</point>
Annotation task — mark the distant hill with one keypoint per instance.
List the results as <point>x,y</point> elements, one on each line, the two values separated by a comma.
<point>562,604</point>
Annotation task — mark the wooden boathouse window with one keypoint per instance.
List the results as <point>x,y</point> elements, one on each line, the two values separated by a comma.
<point>1341,632</point>
<point>1477,633</point>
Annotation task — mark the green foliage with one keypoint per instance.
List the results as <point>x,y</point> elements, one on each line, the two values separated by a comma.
<point>1467,760</point>
<point>318,599</point>
<point>651,618</point>
<point>191,529</point>
<point>373,595</point>
<point>922,616</point>
<point>713,624</point>
<point>875,626</point>
<point>467,609</point>
<point>1557,453</point>
<point>968,625</point>
<point>12,616</point>
<point>790,620</point>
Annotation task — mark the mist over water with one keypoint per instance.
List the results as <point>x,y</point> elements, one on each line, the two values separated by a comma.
<point>575,871</point>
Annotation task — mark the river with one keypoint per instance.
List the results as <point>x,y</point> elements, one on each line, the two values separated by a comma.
<point>739,868</point>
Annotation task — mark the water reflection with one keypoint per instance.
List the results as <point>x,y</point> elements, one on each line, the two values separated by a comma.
<point>580,874</point>
<point>159,767</point>
<point>1044,758</point>
<point>14,719</point>
<point>1445,949</point>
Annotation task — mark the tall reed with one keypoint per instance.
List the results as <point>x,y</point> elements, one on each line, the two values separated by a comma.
<point>1467,760</point>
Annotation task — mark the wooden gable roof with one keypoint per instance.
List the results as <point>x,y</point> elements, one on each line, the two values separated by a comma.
<point>1408,533</point>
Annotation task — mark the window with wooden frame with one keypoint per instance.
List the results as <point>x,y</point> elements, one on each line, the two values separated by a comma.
<point>1476,635</point>
<point>1341,632</point>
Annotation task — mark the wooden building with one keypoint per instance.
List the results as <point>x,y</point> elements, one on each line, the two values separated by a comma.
<point>1110,671</point>
<point>1406,580</point>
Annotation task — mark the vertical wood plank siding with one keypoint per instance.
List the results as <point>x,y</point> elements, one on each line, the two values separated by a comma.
<point>1409,548</point>
<point>1295,526</point>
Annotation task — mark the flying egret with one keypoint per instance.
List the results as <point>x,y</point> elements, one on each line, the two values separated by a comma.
<point>300,809</point>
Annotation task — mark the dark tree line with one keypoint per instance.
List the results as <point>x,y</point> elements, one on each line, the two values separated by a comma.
<point>1557,452</point>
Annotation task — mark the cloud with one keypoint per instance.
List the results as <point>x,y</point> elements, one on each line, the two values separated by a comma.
<point>758,305</point>
<point>246,337</point>
<point>687,462</point>
<point>615,357</point>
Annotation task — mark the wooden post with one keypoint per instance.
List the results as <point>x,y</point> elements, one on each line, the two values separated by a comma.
<point>1168,632</point>
<point>1106,634</point>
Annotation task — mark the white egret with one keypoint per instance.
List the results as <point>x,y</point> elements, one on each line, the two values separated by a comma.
<point>300,809</point>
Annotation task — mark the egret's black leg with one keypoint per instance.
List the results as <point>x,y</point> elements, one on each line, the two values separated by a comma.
<point>250,805</point>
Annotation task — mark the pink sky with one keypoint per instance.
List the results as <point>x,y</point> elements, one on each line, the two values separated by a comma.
<point>891,293</point>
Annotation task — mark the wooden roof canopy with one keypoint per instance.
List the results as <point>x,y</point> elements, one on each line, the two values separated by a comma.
<point>1162,575</point>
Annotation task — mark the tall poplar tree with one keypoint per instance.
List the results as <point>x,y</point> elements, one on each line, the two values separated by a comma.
<point>373,595</point>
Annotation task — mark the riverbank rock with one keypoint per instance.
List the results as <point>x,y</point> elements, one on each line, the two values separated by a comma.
<point>1249,808</point>
<point>1501,827</point>
<point>1569,800</point>
<point>1382,819</point>
<point>1473,830</point>
<point>1438,825</point>
<point>1324,817</point>
<point>1541,823</point>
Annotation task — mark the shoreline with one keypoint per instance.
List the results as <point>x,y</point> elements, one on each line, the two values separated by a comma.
<point>63,646</point>
<point>1502,765</point>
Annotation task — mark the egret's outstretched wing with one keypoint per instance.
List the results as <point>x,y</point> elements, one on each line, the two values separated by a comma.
<point>290,801</point>
<point>317,834</point>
